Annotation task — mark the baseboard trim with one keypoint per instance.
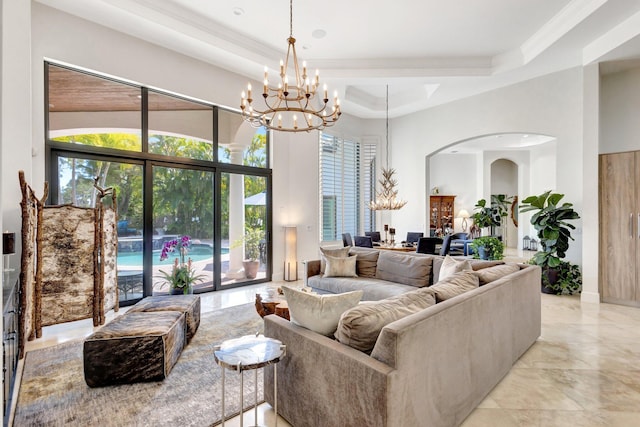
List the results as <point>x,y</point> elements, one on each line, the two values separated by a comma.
<point>590,297</point>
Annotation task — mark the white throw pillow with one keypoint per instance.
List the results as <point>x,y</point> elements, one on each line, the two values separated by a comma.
<point>451,266</point>
<point>319,313</point>
<point>340,267</point>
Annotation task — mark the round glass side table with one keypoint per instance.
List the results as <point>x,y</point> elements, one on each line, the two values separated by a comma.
<point>250,352</point>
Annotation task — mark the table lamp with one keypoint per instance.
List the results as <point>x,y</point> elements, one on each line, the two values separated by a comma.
<point>464,215</point>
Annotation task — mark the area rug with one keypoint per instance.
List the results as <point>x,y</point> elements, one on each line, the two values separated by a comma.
<point>53,391</point>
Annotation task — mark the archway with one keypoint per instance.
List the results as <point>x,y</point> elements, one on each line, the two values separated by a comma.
<point>464,169</point>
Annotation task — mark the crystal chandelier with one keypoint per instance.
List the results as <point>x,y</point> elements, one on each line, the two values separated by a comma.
<point>386,198</point>
<point>294,105</point>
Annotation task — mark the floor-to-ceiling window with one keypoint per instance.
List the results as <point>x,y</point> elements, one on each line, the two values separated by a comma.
<point>179,168</point>
<point>347,183</point>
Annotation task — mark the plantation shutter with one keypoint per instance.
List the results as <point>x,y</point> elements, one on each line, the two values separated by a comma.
<point>339,187</point>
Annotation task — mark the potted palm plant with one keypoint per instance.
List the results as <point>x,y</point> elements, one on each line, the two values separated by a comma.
<point>550,221</point>
<point>252,239</point>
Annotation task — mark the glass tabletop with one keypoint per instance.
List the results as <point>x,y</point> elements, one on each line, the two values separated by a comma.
<point>249,352</point>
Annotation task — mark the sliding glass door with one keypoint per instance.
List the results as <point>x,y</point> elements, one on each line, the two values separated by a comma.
<point>183,212</point>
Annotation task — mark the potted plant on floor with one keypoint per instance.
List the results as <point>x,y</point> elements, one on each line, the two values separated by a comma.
<point>483,217</point>
<point>550,221</point>
<point>487,247</point>
<point>182,276</point>
<point>252,239</point>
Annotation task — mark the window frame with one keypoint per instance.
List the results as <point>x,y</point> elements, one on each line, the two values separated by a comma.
<point>55,149</point>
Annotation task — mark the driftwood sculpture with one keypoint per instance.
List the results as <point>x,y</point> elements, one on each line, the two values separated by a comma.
<point>68,262</point>
<point>31,215</point>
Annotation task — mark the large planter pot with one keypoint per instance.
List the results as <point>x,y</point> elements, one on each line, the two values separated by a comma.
<point>251,268</point>
<point>550,276</point>
<point>482,253</point>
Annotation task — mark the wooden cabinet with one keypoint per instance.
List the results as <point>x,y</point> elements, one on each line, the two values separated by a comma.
<point>619,268</point>
<point>440,212</point>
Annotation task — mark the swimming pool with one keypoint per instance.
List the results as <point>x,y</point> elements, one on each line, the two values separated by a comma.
<point>197,252</point>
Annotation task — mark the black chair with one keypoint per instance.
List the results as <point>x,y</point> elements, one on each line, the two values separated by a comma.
<point>363,241</point>
<point>346,239</point>
<point>427,245</point>
<point>375,236</point>
<point>457,248</point>
<point>446,245</point>
<point>412,237</point>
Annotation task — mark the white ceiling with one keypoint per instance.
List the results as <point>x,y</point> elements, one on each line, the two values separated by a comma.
<point>429,52</point>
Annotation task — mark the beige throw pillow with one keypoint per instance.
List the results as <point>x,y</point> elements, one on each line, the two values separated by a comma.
<point>455,284</point>
<point>319,313</point>
<point>366,261</point>
<point>360,326</point>
<point>340,267</point>
<point>402,268</point>
<point>334,252</point>
<point>488,275</point>
<point>451,266</point>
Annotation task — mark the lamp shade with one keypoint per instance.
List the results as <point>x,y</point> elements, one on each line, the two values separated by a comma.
<point>8,243</point>
<point>462,213</point>
<point>290,253</point>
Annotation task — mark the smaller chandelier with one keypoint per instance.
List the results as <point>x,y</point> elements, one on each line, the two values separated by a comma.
<point>294,105</point>
<point>386,199</point>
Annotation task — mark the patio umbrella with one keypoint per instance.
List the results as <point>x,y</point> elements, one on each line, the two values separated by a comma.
<point>259,199</point>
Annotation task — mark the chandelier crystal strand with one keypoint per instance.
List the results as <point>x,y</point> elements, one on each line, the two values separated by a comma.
<point>292,106</point>
<point>386,199</point>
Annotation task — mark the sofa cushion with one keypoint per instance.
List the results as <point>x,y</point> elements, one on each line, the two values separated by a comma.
<point>373,289</point>
<point>366,261</point>
<point>488,275</point>
<point>334,252</point>
<point>479,264</point>
<point>451,266</point>
<point>404,268</point>
<point>340,267</point>
<point>319,313</point>
<point>455,284</point>
<point>360,326</point>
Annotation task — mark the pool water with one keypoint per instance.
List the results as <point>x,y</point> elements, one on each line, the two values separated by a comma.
<point>196,253</point>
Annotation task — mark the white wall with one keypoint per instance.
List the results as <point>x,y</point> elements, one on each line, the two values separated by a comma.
<point>452,174</point>
<point>548,105</point>
<point>16,108</point>
<point>504,180</point>
<point>619,111</point>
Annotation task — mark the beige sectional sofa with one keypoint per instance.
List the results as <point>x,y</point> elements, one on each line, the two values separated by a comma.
<point>430,368</point>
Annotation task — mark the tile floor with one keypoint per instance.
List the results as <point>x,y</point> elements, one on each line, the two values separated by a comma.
<point>583,371</point>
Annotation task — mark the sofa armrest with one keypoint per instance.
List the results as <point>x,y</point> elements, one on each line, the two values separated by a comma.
<point>324,383</point>
<point>311,268</point>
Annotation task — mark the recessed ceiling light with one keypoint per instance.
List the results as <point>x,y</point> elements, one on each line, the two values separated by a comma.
<point>319,34</point>
<point>238,11</point>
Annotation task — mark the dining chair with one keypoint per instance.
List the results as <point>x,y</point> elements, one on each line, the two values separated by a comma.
<point>346,239</point>
<point>363,241</point>
<point>413,236</point>
<point>375,236</point>
<point>427,245</point>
